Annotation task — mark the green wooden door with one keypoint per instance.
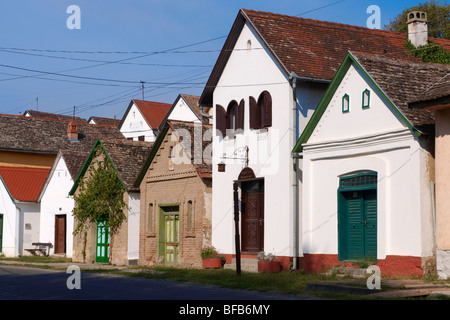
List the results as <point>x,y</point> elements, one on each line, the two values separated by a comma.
<point>370,224</point>
<point>1,232</point>
<point>357,219</point>
<point>169,234</point>
<point>102,241</point>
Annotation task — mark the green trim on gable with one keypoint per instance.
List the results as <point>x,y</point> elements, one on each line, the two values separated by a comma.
<point>324,102</point>
<point>152,154</point>
<point>88,162</point>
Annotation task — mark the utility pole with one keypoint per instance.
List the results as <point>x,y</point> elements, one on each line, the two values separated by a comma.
<point>37,103</point>
<point>236,229</point>
<point>142,86</point>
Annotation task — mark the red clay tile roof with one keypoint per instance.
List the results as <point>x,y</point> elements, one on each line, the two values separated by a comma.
<point>153,112</point>
<point>404,81</point>
<point>436,94</point>
<point>128,158</point>
<point>41,114</point>
<point>48,136</point>
<point>24,183</point>
<point>311,48</point>
<point>105,121</point>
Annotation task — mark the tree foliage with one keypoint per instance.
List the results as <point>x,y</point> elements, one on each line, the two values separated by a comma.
<point>100,195</point>
<point>429,53</point>
<point>438,16</point>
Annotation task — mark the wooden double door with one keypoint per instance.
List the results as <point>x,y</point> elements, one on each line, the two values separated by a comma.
<point>252,216</point>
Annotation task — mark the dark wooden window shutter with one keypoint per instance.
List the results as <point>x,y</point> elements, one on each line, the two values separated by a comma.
<point>240,115</point>
<point>253,113</point>
<point>221,120</point>
<point>267,100</point>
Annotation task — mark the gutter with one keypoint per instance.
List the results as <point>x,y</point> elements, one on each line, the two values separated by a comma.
<point>306,79</point>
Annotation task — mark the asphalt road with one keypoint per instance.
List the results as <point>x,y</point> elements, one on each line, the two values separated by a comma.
<point>23,283</point>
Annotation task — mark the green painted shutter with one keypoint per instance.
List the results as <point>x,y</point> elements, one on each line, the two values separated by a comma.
<point>355,230</point>
<point>357,217</point>
<point>370,225</point>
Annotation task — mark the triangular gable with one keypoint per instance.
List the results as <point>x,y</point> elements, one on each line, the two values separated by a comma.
<point>203,169</point>
<point>86,166</point>
<point>348,61</point>
<point>152,112</point>
<point>153,153</point>
<point>182,97</point>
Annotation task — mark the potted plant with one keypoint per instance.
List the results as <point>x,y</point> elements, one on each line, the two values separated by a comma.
<point>268,263</point>
<point>211,259</point>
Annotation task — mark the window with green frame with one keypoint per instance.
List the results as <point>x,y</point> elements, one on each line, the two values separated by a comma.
<point>345,103</point>
<point>366,99</point>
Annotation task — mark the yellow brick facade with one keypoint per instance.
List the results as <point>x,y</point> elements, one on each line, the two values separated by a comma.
<point>180,186</point>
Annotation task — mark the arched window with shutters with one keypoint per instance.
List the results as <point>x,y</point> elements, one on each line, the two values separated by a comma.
<point>261,111</point>
<point>231,119</point>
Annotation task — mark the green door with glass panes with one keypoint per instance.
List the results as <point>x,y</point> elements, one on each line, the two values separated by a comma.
<point>169,235</point>
<point>102,249</point>
<point>357,217</point>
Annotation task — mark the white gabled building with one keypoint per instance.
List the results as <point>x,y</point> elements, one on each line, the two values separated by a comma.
<point>269,78</point>
<point>142,120</point>
<point>368,169</point>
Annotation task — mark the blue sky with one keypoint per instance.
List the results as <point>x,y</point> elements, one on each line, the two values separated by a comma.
<point>171,45</point>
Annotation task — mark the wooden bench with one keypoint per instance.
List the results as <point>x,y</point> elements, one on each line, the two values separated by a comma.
<point>41,248</point>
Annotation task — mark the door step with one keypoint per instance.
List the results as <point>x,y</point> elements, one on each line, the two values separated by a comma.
<point>353,272</point>
<point>249,265</point>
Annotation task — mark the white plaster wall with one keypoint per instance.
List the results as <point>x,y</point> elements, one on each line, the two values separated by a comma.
<point>371,139</point>
<point>10,236</point>
<point>183,112</point>
<point>56,201</point>
<point>377,118</point>
<point>133,226</point>
<point>30,215</point>
<point>398,196</point>
<point>135,125</point>
<point>248,73</point>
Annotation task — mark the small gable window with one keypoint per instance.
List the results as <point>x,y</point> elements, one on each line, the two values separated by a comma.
<point>366,99</point>
<point>345,103</point>
<point>231,119</point>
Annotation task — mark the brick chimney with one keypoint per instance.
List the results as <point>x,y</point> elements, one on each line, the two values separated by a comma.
<point>72,131</point>
<point>417,28</point>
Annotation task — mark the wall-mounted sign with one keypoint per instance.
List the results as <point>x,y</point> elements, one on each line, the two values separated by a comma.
<point>246,173</point>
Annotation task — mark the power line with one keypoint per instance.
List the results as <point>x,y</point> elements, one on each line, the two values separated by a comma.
<point>326,6</point>
<point>103,61</point>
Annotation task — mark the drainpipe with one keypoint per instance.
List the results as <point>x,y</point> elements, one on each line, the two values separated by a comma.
<point>295,206</point>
